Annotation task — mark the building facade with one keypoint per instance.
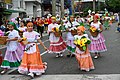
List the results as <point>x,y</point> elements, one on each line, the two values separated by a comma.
<point>47,7</point>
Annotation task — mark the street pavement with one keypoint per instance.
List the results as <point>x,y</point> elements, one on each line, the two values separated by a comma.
<point>107,67</point>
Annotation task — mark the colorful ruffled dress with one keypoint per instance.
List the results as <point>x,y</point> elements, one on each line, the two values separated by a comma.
<point>57,44</point>
<point>69,37</point>
<point>84,58</point>
<point>13,53</point>
<point>98,43</point>
<point>32,61</point>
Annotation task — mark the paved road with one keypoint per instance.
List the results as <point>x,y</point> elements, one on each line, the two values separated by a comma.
<point>107,64</point>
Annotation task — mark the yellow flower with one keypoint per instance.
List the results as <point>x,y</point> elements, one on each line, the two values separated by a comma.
<point>84,40</point>
<point>82,44</point>
<point>75,42</point>
<point>57,29</point>
<point>78,42</point>
<point>24,38</point>
<point>93,29</point>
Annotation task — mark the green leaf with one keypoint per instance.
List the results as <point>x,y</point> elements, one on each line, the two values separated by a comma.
<point>88,42</point>
<point>84,48</point>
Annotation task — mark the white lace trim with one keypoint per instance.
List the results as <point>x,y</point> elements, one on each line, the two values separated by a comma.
<point>8,67</point>
<point>88,69</point>
<point>83,56</point>
<point>21,69</point>
<point>57,44</point>
<point>93,51</point>
<point>95,38</point>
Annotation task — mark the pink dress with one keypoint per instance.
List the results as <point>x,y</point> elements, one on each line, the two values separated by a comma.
<point>98,43</point>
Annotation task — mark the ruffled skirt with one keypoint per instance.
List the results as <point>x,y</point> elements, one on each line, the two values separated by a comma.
<point>57,47</point>
<point>98,44</point>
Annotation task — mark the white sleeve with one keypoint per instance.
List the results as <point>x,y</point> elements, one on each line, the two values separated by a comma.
<point>37,35</point>
<point>16,34</point>
<point>91,24</point>
<point>49,28</point>
<point>86,35</point>
<point>99,22</point>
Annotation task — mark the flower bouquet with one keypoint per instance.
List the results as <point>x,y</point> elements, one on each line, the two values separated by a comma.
<point>56,31</point>
<point>74,31</point>
<point>94,31</point>
<point>23,41</point>
<point>81,42</point>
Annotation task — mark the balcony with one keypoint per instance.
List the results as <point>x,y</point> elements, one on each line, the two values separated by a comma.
<point>39,1</point>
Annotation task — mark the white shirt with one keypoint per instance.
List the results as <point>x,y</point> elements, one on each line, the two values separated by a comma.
<point>68,25</point>
<point>52,37</point>
<point>97,25</point>
<point>12,45</point>
<point>31,37</point>
<point>22,28</point>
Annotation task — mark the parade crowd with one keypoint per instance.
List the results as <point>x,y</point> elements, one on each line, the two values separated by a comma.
<point>22,36</point>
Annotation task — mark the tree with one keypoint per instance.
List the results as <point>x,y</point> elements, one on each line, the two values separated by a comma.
<point>113,5</point>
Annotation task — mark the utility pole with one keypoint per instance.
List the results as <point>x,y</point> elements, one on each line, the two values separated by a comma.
<point>72,4</point>
<point>79,6</point>
<point>94,5</point>
<point>99,5</point>
<point>53,7</point>
<point>62,8</point>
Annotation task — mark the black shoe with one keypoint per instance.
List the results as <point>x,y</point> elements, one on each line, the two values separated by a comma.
<point>69,55</point>
<point>72,55</point>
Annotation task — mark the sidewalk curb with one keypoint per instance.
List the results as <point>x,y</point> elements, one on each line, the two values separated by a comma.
<point>64,77</point>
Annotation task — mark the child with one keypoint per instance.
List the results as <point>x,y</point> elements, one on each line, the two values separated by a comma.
<point>70,38</point>
<point>57,45</point>
<point>31,61</point>
<point>118,28</point>
<point>22,27</point>
<point>98,43</point>
<point>83,57</point>
<point>14,52</point>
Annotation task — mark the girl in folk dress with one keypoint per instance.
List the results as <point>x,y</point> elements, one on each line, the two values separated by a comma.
<point>14,52</point>
<point>31,61</point>
<point>83,57</point>
<point>70,38</point>
<point>98,43</point>
<point>22,27</point>
<point>57,45</point>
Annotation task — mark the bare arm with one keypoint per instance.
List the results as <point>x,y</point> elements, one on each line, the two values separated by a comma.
<point>101,28</point>
<point>14,39</point>
<point>42,44</point>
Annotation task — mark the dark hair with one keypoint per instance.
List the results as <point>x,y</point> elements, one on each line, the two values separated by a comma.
<point>118,24</point>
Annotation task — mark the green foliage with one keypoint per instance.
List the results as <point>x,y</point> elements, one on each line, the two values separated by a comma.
<point>113,5</point>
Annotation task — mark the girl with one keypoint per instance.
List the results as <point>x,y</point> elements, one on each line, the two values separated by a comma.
<point>31,61</point>
<point>98,43</point>
<point>22,27</point>
<point>57,45</point>
<point>83,57</point>
<point>14,52</point>
<point>70,45</point>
